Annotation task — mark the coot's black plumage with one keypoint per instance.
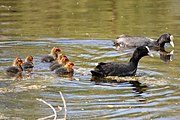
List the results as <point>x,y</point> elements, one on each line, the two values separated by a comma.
<point>132,41</point>
<point>121,69</point>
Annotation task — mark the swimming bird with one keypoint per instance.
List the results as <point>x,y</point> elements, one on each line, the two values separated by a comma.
<point>121,69</point>
<point>15,69</point>
<point>137,41</point>
<point>61,61</point>
<point>66,70</point>
<point>28,64</point>
<point>52,56</point>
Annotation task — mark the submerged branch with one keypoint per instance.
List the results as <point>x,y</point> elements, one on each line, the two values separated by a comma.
<point>55,112</point>
<point>64,103</point>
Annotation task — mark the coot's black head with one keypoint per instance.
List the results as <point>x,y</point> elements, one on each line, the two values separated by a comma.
<point>165,38</point>
<point>141,51</point>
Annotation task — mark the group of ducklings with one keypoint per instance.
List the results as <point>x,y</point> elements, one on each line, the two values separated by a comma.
<point>19,66</point>
<point>59,63</point>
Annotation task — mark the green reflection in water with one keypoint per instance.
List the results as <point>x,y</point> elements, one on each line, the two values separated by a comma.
<point>88,19</point>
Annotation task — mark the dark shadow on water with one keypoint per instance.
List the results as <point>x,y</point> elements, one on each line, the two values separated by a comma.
<point>138,87</point>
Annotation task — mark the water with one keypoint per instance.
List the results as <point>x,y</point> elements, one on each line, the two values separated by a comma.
<point>84,30</point>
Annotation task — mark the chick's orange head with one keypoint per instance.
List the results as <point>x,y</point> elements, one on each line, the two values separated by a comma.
<point>65,60</point>
<point>70,65</point>
<point>18,61</point>
<point>29,58</point>
<point>57,50</point>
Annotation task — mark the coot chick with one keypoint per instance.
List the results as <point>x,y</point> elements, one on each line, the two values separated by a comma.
<point>121,69</point>
<point>66,70</point>
<point>15,69</point>
<point>28,64</point>
<point>60,63</point>
<point>60,56</point>
<point>52,56</point>
<point>132,41</point>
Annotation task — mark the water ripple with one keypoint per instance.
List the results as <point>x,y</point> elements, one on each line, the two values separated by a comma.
<point>145,96</point>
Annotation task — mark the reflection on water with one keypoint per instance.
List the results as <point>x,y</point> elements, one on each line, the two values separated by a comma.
<point>34,27</point>
<point>167,56</point>
<point>87,19</point>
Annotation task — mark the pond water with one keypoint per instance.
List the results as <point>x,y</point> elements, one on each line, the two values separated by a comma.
<point>84,30</point>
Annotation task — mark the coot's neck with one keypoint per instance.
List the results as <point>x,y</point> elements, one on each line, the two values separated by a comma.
<point>160,43</point>
<point>135,58</point>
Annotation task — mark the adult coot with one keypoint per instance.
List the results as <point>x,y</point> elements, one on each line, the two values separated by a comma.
<point>28,64</point>
<point>132,41</point>
<point>15,69</point>
<point>52,56</point>
<point>121,69</point>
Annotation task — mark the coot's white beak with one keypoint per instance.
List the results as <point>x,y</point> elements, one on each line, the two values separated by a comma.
<point>171,42</point>
<point>172,52</point>
<point>149,52</point>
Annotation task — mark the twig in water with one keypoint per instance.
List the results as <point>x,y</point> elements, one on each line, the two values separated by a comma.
<point>64,103</point>
<point>55,112</point>
<point>54,115</point>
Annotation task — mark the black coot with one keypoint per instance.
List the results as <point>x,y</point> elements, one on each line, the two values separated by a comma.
<point>132,41</point>
<point>121,69</point>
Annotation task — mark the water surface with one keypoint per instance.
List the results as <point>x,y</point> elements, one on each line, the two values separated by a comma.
<point>84,31</point>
